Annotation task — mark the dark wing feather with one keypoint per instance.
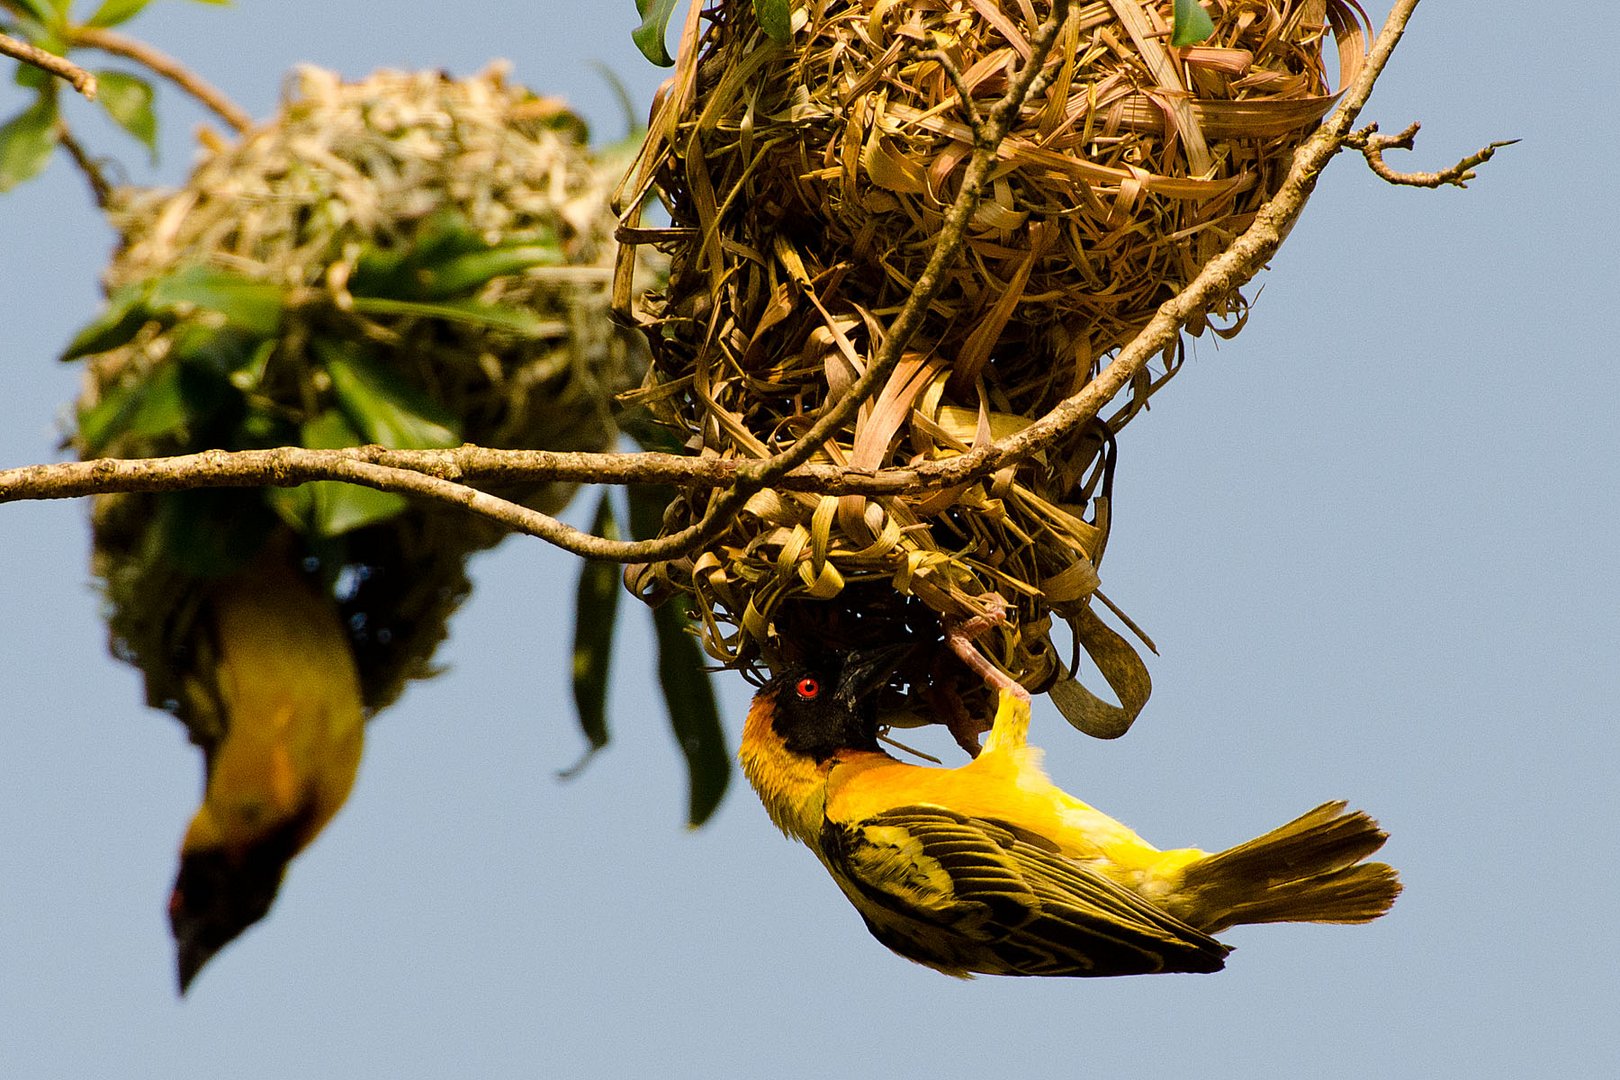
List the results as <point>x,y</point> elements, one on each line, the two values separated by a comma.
<point>972,895</point>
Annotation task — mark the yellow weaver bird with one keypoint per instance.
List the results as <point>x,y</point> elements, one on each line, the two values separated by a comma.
<point>991,869</point>
<point>284,685</point>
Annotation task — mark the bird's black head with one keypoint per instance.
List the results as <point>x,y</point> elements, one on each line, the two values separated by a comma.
<point>220,893</point>
<point>824,707</point>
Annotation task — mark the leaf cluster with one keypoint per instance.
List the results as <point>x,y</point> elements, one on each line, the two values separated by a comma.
<point>215,386</point>
<point>30,136</point>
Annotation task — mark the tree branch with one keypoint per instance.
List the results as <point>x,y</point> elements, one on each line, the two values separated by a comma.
<point>100,188</point>
<point>444,475</point>
<point>60,66</point>
<point>1372,146</point>
<point>111,41</point>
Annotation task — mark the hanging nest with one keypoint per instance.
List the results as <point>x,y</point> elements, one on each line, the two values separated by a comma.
<point>410,260</point>
<point>806,186</point>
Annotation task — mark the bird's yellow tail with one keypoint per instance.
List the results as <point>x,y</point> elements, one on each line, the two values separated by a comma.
<point>1309,870</point>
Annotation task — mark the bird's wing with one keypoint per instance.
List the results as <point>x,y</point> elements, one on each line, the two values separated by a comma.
<point>966,895</point>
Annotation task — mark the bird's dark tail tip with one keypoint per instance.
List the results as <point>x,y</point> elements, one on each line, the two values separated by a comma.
<point>1309,870</point>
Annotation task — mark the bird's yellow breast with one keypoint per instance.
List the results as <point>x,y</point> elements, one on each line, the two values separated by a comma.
<point>289,689</point>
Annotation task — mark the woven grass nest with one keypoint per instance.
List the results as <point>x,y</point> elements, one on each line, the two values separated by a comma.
<point>806,185</point>
<point>411,259</point>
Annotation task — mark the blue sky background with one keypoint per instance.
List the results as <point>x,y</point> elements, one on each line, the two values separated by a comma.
<point>1374,538</point>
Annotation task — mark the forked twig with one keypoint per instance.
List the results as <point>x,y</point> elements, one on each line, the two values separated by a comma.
<point>1372,146</point>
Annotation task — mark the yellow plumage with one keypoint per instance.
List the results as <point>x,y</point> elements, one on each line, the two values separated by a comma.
<point>990,868</point>
<point>288,696</point>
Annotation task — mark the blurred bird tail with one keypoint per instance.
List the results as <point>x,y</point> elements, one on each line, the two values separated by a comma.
<point>1309,870</point>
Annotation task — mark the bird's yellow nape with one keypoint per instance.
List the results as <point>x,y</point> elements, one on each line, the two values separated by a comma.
<point>1010,729</point>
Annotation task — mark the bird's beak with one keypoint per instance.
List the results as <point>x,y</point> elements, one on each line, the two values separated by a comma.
<point>868,669</point>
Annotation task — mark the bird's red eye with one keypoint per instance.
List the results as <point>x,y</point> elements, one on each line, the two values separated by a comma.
<point>808,688</point>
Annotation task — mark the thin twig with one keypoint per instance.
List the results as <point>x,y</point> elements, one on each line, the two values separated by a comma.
<point>60,66</point>
<point>100,188</point>
<point>160,63</point>
<point>964,95</point>
<point>290,466</point>
<point>1372,146</point>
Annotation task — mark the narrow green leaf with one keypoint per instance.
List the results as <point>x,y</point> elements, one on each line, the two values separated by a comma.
<point>649,36</point>
<point>26,142</point>
<point>128,100</point>
<point>596,610</point>
<point>113,12</point>
<point>254,306</point>
<point>688,694</point>
<point>471,271</point>
<point>520,321</point>
<point>776,19</point>
<point>693,715</point>
<point>380,405</point>
<point>1190,24</point>
<point>126,312</point>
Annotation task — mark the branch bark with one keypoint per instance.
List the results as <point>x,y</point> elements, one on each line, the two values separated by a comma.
<point>1372,146</point>
<point>80,79</point>
<point>160,63</point>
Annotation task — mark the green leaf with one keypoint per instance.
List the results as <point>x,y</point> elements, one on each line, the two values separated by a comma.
<point>209,533</point>
<point>168,400</point>
<point>520,321</point>
<point>449,257</point>
<point>1190,24</point>
<point>126,312</point>
<point>128,100</point>
<point>596,610</point>
<point>37,10</point>
<point>30,77</point>
<point>254,306</point>
<point>220,350</point>
<point>649,36</point>
<point>776,19</point>
<point>328,508</point>
<point>693,715</point>
<point>161,407</point>
<point>324,509</point>
<point>688,695</point>
<point>380,405</point>
<point>106,419</point>
<point>26,142</point>
<point>466,273</point>
<point>113,12</point>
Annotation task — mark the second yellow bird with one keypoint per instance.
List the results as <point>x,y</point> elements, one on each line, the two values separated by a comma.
<point>992,869</point>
